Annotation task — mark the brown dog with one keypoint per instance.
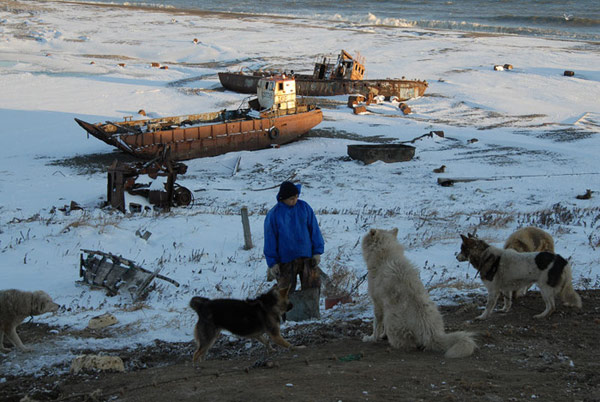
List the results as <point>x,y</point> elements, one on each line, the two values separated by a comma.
<point>527,240</point>
<point>250,318</point>
<point>15,306</point>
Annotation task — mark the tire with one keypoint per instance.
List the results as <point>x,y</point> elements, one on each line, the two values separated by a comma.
<point>273,133</point>
<point>182,196</point>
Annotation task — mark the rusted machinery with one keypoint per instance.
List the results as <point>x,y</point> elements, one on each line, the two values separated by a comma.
<point>122,177</point>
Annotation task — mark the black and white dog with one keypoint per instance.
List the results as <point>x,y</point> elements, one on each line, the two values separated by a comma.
<point>504,271</point>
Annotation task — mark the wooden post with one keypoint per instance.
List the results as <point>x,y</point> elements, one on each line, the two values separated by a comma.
<point>246,225</point>
<point>236,166</point>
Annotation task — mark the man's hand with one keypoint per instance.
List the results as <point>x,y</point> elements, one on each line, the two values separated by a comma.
<point>315,260</point>
<point>272,272</point>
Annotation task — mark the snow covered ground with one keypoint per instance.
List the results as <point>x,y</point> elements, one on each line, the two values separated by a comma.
<point>537,147</point>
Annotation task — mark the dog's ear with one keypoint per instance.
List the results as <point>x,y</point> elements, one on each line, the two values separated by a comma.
<point>395,232</point>
<point>464,239</point>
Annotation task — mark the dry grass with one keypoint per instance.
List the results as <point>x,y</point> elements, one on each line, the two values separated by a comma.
<point>458,284</point>
<point>135,307</point>
<point>341,278</point>
<point>86,221</point>
<point>561,215</point>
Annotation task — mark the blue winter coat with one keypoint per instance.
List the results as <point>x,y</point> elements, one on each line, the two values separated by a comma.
<point>291,232</point>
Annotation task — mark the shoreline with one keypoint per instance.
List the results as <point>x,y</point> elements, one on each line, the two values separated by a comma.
<point>168,9</point>
<point>286,18</point>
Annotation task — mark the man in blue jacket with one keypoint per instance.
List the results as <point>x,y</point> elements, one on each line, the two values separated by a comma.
<point>293,246</point>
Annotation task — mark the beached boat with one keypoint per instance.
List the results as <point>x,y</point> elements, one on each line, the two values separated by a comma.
<point>274,117</point>
<point>345,76</point>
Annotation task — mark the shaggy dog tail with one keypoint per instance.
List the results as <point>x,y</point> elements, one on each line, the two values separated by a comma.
<point>568,295</point>
<point>457,344</point>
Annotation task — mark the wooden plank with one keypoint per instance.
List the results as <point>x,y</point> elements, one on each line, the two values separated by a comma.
<point>246,228</point>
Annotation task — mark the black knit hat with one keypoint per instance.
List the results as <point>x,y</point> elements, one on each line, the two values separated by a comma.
<point>287,190</point>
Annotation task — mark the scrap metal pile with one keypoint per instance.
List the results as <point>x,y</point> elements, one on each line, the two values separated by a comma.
<point>114,272</point>
<point>122,178</point>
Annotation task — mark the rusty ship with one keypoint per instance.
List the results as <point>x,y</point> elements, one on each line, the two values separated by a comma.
<point>274,117</point>
<point>345,76</point>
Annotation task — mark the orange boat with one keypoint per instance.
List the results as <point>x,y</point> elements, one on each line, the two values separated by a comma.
<point>273,118</point>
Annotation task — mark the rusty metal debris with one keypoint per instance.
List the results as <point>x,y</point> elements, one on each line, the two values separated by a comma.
<point>430,134</point>
<point>122,177</point>
<point>359,103</point>
<point>388,153</point>
<point>586,196</point>
<point>360,109</point>
<point>354,100</point>
<point>114,272</point>
<point>74,206</point>
<point>405,108</point>
<point>500,67</point>
<point>450,181</point>
<point>145,235</point>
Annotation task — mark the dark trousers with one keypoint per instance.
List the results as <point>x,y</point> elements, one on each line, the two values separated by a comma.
<point>309,275</point>
<point>306,299</point>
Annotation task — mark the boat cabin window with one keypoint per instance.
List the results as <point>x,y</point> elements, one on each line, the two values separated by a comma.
<point>281,86</point>
<point>266,85</point>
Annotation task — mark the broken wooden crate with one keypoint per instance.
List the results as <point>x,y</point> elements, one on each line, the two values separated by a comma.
<point>114,272</point>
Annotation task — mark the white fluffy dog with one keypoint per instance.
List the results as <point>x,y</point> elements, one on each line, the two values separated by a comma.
<point>403,310</point>
<point>15,306</point>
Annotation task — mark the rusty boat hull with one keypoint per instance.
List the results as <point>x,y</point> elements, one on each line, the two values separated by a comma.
<point>207,134</point>
<point>306,85</point>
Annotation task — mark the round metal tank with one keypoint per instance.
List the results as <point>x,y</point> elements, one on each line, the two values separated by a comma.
<point>388,153</point>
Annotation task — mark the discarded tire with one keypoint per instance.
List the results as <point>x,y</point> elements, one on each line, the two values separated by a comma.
<point>273,133</point>
<point>182,196</point>
<point>569,73</point>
